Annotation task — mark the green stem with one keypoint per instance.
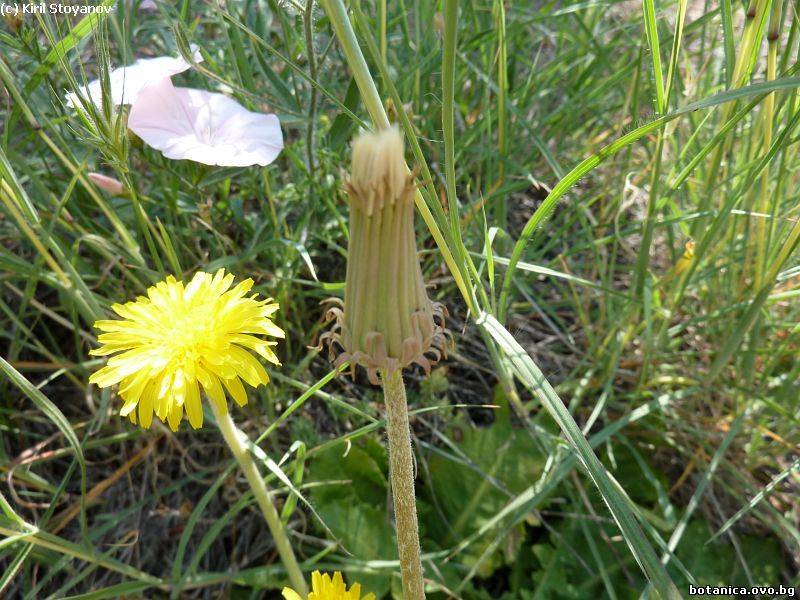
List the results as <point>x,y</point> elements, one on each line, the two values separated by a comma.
<point>340,22</point>
<point>501,208</point>
<point>401,472</point>
<point>308,27</point>
<point>382,18</point>
<point>238,445</point>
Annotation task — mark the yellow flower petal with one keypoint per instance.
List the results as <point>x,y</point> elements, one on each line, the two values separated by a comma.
<point>193,408</point>
<point>235,389</point>
<point>290,594</point>
<point>146,403</point>
<point>174,416</point>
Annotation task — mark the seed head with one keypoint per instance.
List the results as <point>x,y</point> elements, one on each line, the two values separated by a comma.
<point>387,322</point>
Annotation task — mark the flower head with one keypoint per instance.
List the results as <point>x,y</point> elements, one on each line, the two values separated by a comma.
<point>325,588</point>
<point>181,338</point>
<point>205,127</point>
<point>387,322</point>
<point>126,83</point>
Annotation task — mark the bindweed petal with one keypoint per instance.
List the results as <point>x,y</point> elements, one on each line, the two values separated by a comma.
<point>205,127</point>
<point>146,5</point>
<point>126,83</point>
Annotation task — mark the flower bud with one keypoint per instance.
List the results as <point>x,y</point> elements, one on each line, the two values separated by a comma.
<point>108,184</point>
<point>387,322</point>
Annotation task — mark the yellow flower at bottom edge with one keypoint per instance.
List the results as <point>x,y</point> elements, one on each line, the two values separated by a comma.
<point>325,588</point>
<point>181,338</point>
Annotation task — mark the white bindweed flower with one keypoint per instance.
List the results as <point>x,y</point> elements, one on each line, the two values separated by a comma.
<point>204,127</point>
<point>126,83</point>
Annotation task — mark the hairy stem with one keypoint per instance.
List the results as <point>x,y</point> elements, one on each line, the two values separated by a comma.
<point>237,441</point>
<point>401,471</point>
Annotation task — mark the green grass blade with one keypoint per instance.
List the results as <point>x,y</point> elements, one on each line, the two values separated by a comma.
<point>53,542</point>
<point>120,590</point>
<point>651,29</point>
<point>676,47</point>
<point>727,37</point>
<point>14,566</point>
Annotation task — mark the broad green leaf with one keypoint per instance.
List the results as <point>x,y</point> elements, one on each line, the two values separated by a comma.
<point>474,480</point>
<point>353,503</point>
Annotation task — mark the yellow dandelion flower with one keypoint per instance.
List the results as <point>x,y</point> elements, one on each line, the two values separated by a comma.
<point>181,338</point>
<point>325,588</point>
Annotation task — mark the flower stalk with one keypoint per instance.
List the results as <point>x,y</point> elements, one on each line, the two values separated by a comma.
<point>387,322</point>
<point>337,13</point>
<point>236,441</point>
<point>401,472</point>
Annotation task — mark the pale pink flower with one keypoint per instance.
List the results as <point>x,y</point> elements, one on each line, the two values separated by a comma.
<point>109,184</point>
<point>126,83</point>
<point>205,127</point>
